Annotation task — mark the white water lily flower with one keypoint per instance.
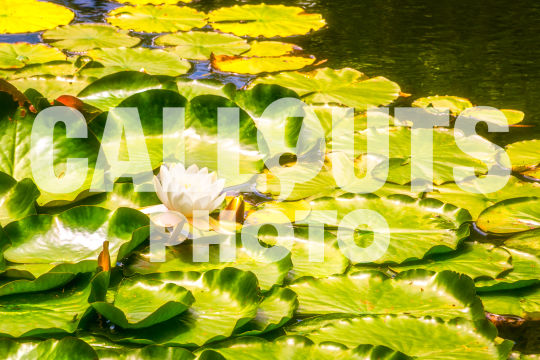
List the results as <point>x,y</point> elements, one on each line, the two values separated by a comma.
<point>185,190</point>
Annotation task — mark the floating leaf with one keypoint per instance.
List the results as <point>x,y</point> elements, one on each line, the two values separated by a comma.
<point>446,295</point>
<point>475,260</point>
<point>17,55</point>
<point>257,65</point>
<point>508,117</point>
<point>154,2</point>
<point>347,87</point>
<point>74,235</point>
<point>265,20</point>
<point>23,16</point>
<point>156,19</point>
<point>454,104</point>
<point>109,91</point>
<point>526,242</point>
<point>511,216</point>
<point>192,88</point>
<point>51,280</point>
<point>294,347</point>
<point>426,338</point>
<point>442,226</point>
<point>60,69</point>
<point>524,154</point>
<point>524,303</point>
<point>65,348</point>
<point>224,301</point>
<point>83,37</point>
<point>140,302</point>
<point>478,201</point>
<point>150,61</point>
<point>17,198</point>
<point>52,87</point>
<point>270,48</point>
<point>199,45</point>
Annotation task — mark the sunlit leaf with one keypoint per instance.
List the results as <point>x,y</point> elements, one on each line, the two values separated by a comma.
<point>17,198</point>
<point>49,349</point>
<point>20,54</point>
<point>256,65</point>
<point>20,16</point>
<point>524,303</point>
<point>511,216</point>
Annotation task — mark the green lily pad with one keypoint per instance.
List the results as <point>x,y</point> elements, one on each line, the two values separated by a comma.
<point>524,303</point>
<point>122,195</point>
<point>265,20</point>
<point>475,260</point>
<point>255,65</point>
<point>446,295</point>
<point>454,104</point>
<point>15,134</point>
<point>275,310</point>
<point>526,242</point>
<point>192,88</point>
<point>442,226</point>
<point>347,87</point>
<point>109,91</point>
<point>83,37</point>
<point>44,282</point>
<point>52,87</point>
<point>271,48</point>
<point>180,258</point>
<point>60,69</point>
<point>295,347</point>
<point>199,45</point>
<point>140,302</point>
<point>524,273</point>
<point>477,201</point>
<point>24,16</point>
<point>75,235</point>
<point>156,19</point>
<point>150,61</point>
<point>509,117</point>
<point>511,216</point>
<point>524,154</point>
<point>18,55</point>
<point>17,198</point>
<point>426,338</point>
<point>225,300</point>
<point>68,305</point>
<point>46,350</point>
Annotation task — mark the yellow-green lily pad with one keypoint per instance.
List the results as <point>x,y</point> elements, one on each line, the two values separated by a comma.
<point>23,16</point>
<point>13,56</point>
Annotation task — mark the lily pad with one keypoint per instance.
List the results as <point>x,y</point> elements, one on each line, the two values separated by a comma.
<point>190,89</point>
<point>511,216</point>
<point>199,45</point>
<point>275,310</point>
<point>46,350</point>
<point>149,61</point>
<point>180,258</point>
<point>475,260</point>
<point>526,242</point>
<point>154,2</point>
<point>427,338</point>
<point>442,226</point>
<point>83,37</point>
<point>108,350</point>
<point>454,104</point>
<point>524,303</point>
<point>265,20</point>
<point>477,201</point>
<point>255,65</point>
<point>23,16</point>
<point>17,55</point>
<point>271,48</point>
<point>295,347</point>
<point>225,300</point>
<point>69,305</point>
<point>347,87</point>
<point>156,19</point>
<point>109,91</point>
<point>75,235</point>
<point>17,198</point>
<point>446,295</point>
<point>140,302</point>
<point>524,154</point>
<point>52,87</point>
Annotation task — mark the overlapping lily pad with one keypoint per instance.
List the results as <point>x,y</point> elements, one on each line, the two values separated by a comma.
<point>347,87</point>
<point>140,302</point>
<point>295,347</point>
<point>454,104</point>
<point>199,45</point>
<point>511,216</point>
<point>442,226</point>
<point>446,295</point>
<point>48,349</point>
<point>422,338</point>
<point>17,55</point>
<point>524,154</point>
<point>52,87</point>
<point>21,16</point>
<point>83,37</point>
<point>149,61</point>
<point>156,19</point>
<point>17,198</point>
<point>265,20</point>
<point>257,65</point>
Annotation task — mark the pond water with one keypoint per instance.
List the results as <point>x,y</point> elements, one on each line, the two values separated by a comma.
<point>486,51</point>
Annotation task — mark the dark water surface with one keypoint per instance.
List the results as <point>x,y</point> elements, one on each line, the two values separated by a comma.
<point>487,51</point>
